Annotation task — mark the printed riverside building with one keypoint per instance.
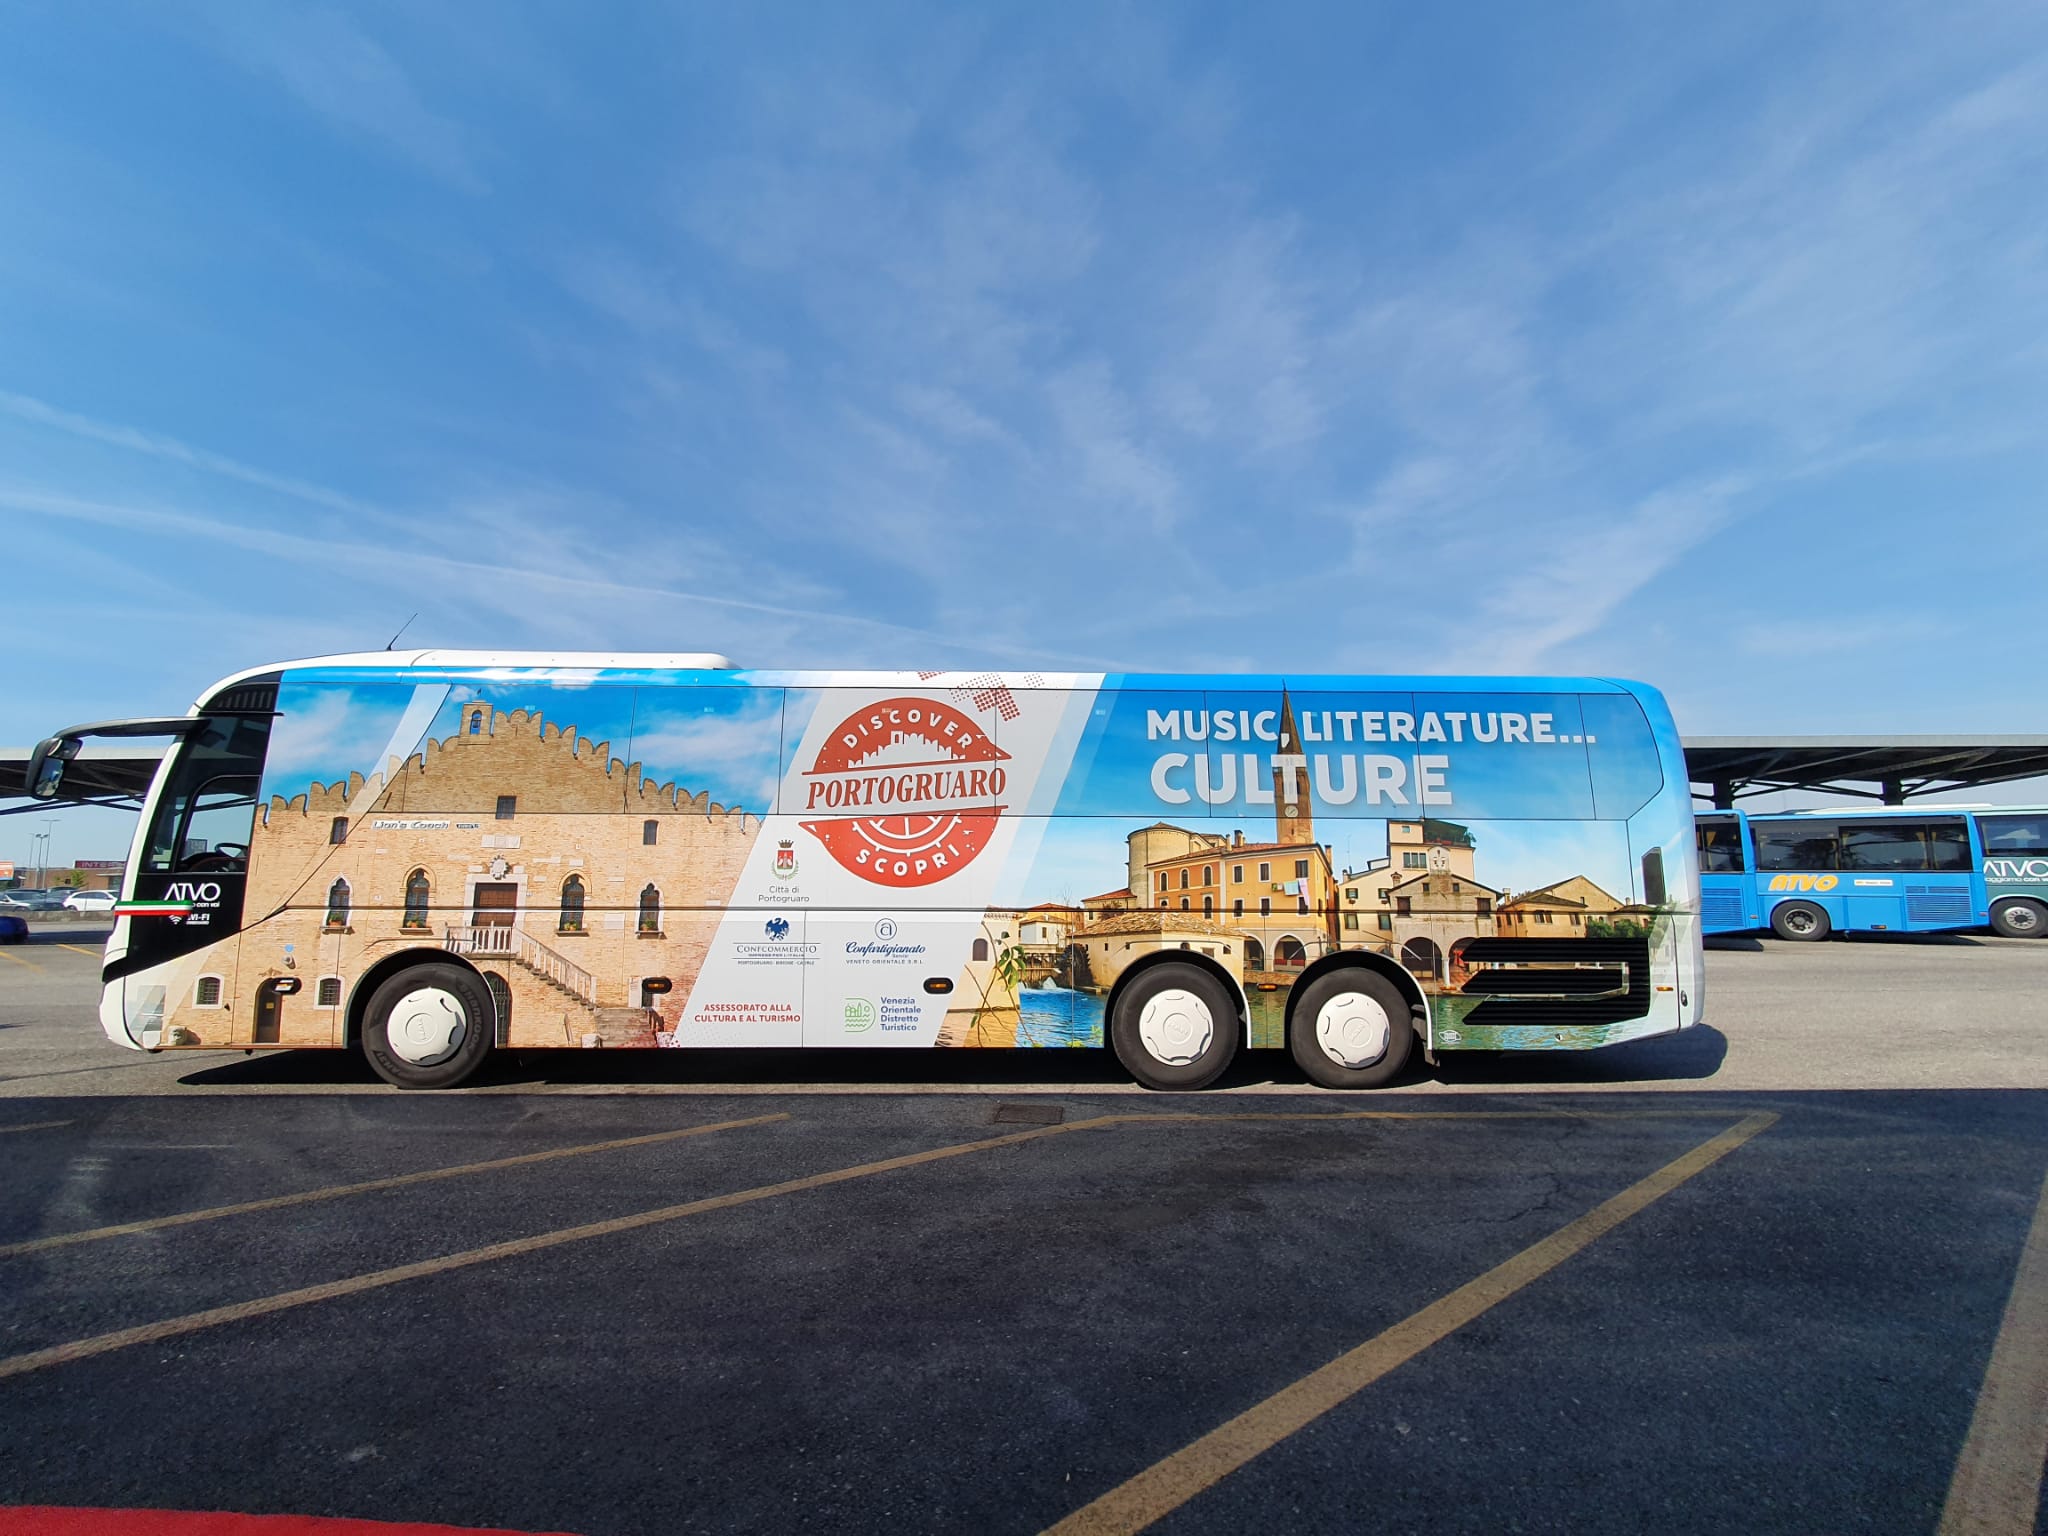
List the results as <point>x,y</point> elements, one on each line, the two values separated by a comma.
<point>633,855</point>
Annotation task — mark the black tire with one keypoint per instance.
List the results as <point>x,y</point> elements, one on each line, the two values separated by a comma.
<point>1305,1033</point>
<point>1800,921</point>
<point>2021,919</point>
<point>1128,1027</point>
<point>462,992</point>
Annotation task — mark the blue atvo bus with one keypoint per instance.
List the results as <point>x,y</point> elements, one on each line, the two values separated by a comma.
<point>1807,874</point>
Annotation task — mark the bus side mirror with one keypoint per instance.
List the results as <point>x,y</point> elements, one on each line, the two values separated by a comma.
<point>46,767</point>
<point>1653,878</point>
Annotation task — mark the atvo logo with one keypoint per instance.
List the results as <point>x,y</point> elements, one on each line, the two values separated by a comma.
<point>2016,869</point>
<point>201,893</point>
<point>1804,882</point>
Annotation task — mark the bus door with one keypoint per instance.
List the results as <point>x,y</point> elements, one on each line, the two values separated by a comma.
<point>1909,873</point>
<point>1727,893</point>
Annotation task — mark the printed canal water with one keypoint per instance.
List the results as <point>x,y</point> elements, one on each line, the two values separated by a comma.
<point>1059,1016</point>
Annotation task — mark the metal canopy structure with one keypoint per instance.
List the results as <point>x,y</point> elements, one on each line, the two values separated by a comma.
<point>1883,768</point>
<point>117,775</point>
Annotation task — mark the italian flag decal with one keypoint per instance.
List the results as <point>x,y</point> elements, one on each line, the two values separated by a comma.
<point>170,909</point>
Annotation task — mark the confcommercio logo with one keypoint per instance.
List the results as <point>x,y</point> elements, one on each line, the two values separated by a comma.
<point>910,789</point>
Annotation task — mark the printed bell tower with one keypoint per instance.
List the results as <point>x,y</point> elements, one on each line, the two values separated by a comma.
<point>1293,811</point>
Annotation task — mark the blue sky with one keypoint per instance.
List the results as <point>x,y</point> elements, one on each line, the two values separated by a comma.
<point>1699,344</point>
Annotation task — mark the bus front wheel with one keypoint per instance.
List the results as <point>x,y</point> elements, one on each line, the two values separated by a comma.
<point>1800,920</point>
<point>1351,1029</point>
<point>2020,919</point>
<point>1175,1027</point>
<point>428,1026</point>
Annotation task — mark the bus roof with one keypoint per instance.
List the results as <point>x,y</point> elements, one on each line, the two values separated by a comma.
<point>628,666</point>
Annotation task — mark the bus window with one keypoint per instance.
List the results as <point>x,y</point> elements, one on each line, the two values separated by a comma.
<point>2018,836</point>
<point>1794,845</point>
<point>207,809</point>
<point>1720,845</point>
<point>1892,846</point>
<point>1948,847</point>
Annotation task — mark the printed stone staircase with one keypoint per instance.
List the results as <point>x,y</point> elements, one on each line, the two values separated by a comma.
<point>584,1019</point>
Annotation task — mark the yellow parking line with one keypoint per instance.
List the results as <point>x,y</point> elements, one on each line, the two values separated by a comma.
<point>337,1191</point>
<point>33,1125</point>
<point>18,960</point>
<point>80,949</point>
<point>1183,1117</point>
<point>1997,1482</point>
<point>262,1306</point>
<point>193,1322</point>
<point>1165,1486</point>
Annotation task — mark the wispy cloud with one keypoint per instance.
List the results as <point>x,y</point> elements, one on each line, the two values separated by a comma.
<point>338,72</point>
<point>157,446</point>
<point>508,589</point>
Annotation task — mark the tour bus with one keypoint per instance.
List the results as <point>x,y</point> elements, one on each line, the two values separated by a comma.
<point>1807,874</point>
<point>428,855</point>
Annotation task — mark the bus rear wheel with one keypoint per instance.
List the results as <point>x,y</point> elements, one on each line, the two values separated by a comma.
<point>1351,1029</point>
<point>1175,1027</point>
<point>2020,919</point>
<point>1800,920</point>
<point>428,1026</point>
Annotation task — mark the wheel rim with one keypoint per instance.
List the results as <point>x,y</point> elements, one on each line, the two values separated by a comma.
<point>1176,1027</point>
<point>2022,919</point>
<point>427,1027</point>
<point>1353,1029</point>
<point>1800,922</point>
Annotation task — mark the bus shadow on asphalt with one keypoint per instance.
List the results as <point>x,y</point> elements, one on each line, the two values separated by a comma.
<point>1691,1056</point>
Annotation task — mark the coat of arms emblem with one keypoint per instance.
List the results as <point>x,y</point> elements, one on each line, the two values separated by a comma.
<point>785,859</point>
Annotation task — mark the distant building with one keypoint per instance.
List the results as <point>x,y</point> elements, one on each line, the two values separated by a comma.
<point>1095,908</point>
<point>1115,941</point>
<point>1560,910</point>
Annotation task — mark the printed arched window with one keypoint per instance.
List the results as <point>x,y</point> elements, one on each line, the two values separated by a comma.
<point>337,904</point>
<point>418,891</point>
<point>1208,906</point>
<point>476,722</point>
<point>206,992</point>
<point>650,909</point>
<point>1183,903</point>
<point>650,832</point>
<point>981,949</point>
<point>1289,953</point>
<point>572,906</point>
<point>328,993</point>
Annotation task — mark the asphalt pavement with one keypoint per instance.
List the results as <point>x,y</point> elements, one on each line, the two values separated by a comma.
<point>1753,1277</point>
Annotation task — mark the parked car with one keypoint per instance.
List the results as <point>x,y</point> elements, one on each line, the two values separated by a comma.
<point>32,901</point>
<point>13,930</point>
<point>91,901</point>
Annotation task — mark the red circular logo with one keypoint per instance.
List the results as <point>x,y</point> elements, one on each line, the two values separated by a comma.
<point>908,791</point>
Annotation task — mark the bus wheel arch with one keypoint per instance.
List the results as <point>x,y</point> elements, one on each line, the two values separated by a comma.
<point>2020,917</point>
<point>1801,921</point>
<point>1206,984</point>
<point>416,985</point>
<point>1353,1019</point>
